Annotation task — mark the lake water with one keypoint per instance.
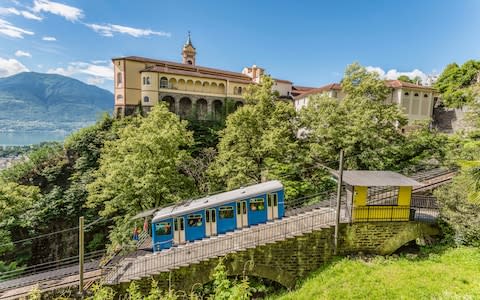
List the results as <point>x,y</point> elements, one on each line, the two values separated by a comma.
<point>20,138</point>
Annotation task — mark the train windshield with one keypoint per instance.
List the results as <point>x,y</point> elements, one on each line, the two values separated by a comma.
<point>226,212</point>
<point>257,204</point>
<point>163,228</point>
<point>195,220</point>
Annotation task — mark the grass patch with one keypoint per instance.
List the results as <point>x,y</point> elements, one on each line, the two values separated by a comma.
<point>452,273</point>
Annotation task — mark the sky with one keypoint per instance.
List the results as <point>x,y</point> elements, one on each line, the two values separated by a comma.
<point>307,42</point>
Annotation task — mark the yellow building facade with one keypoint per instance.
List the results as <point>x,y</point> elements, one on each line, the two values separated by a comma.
<point>378,196</point>
<point>189,90</point>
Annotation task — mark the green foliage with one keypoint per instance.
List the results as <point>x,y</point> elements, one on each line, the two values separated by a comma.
<point>405,78</point>
<point>361,124</point>
<point>456,82</point>
<point>259,142</point>
<point>101,292</point>
<point>139,170</point>
<point>358,84</point>
<point>224,289</point>
<point>448,274</point>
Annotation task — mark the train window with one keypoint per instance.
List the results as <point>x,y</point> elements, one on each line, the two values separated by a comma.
<point>213,216</point>
<point>207,216</point>
<point>257,204</point>
<point>195,220</point>
<point>238,208</point>
<point>226,212</point>
<point>164,228</point>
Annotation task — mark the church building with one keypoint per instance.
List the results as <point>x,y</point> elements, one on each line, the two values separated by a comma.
<point>190,90</point>
<point>202,93</point>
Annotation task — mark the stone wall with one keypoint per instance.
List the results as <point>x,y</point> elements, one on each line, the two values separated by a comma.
<point>450,120</point>
<point>293,259</point>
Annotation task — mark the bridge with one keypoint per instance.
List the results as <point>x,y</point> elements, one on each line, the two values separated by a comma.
<point>308,225</point>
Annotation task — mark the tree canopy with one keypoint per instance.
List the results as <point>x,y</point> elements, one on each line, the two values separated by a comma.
<point>456,82</point>
<point>140,169</point>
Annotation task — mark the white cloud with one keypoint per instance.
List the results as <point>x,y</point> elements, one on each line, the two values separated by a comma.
<point>394,74</point>
<point>49,38</point>
<point>70,13</point>
<point>96,72</point>
<point>13,11</point>
<point>95,80</point>
<point>10,67</point>
<point>99,62</point>
<point>20,53</point>
<point>8,29</point>
<point>29,15</point>
<point>109,30</point>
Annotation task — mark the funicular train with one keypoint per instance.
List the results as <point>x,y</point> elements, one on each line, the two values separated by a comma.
<point>217,214</point>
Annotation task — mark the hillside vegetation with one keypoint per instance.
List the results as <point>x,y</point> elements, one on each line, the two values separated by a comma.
<point>36,101</point>
<point>452,274</point>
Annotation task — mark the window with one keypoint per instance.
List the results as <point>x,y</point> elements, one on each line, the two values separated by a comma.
<point>334,94</point>
<point>163,228</point>
<point>382,195</point>
<point>407,93</point>
<point>146,80</point>
<point>226,212</point>
<point>177,227</point>
<point>425,95</point>
<point>119,98</point>
<point>119,79</point>
<point>257,204</point>
<point>195,220</point>
<point>164,83</point>
<point>416,95</point>
<point>146,99</point>
<point>210,213</point>
<point>239,90</point>
<point>273,198</point>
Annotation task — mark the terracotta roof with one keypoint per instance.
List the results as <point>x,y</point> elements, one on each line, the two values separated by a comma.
<point>325,88</point>
<point>177,71</point>
<point>188,68</point>
<point>282,80</point>
<point>403,84</point>
<point>302,88</point>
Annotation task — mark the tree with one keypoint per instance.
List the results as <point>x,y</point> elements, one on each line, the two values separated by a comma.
<point>405,78</point>
<point>456,83</point>
<point>259,142</point>
<point>361,124</point>
<point>140,169</point>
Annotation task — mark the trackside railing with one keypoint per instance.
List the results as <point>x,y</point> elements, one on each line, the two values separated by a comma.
<point>221,245</point>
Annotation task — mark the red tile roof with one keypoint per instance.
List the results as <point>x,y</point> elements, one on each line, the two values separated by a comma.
<point>179,67</point>
<point>325,88</point>
<point>403,84</point>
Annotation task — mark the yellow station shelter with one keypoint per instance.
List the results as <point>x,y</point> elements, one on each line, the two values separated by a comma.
<point>378,195</point>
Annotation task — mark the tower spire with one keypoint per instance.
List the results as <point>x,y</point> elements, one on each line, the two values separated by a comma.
<point>188,52</point>
<point>189,40</point>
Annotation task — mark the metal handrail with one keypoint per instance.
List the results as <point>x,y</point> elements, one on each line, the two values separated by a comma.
<point>222,245</point>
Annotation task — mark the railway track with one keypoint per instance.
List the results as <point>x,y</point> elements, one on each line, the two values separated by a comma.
<point>68,276</point>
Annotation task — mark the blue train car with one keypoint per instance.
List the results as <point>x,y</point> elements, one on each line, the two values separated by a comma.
<point>217,214</point>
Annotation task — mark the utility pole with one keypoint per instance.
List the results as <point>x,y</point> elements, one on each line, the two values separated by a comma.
<point>339,199</point>
<point>81,253</point>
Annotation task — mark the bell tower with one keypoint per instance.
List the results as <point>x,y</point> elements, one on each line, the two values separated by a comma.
<point>188,52</point>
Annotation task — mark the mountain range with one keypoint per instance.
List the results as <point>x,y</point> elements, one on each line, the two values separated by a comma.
<point>32,101</point>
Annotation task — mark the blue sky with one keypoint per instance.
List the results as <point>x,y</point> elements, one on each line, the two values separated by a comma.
<point>307,42</point>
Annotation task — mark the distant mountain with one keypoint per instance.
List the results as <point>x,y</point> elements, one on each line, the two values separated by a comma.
<point>36,101</point>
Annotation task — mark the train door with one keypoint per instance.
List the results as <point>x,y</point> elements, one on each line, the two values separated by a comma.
<point>242,216</point>
<point>179,231</point>
<point>211,221</point>
<point>272,206</point>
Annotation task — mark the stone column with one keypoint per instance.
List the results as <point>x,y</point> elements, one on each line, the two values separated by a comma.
<point>177,105</point>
